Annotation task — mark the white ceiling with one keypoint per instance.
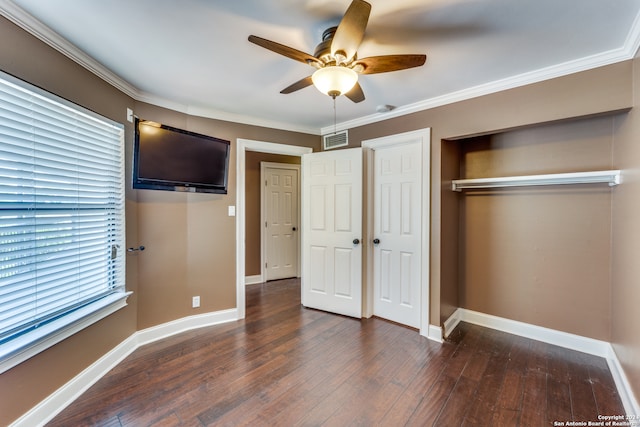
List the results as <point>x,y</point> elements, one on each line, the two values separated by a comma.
<point>193,55</point>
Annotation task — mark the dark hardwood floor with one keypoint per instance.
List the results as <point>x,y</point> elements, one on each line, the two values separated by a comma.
<point>285,365</point>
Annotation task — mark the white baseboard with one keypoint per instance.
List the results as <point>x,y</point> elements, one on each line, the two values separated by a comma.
<point>451,323</point>
<point>156,333</point>
<point>550,336</point>
<point>434,333</point>
<point>623,385</point>
<point>51,406</point>
<point>559,338</point>
<point>252,280</point>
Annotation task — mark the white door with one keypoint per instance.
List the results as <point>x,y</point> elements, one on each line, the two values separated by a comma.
<point>281,222</point>
<point>332,228</point>
<point>398,233</point>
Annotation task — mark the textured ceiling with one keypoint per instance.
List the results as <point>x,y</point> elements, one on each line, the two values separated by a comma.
<point>193,55</point>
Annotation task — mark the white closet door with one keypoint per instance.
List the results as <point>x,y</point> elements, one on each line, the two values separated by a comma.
<point>332,227</point>
<point>398,233</point>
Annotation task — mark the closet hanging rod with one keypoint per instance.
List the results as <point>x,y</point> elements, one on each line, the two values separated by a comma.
<point>611,177</point>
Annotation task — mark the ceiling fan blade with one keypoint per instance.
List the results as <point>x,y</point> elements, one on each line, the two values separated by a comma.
<point>300,84</point>
<point>351,29</point>
<point>386,63</point>
<point>287,51</point>
<point>356,94</point>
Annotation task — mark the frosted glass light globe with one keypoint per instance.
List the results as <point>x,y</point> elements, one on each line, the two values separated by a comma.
<point>334,80</point>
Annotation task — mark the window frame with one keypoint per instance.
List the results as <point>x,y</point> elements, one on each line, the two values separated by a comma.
<point>18,349</point>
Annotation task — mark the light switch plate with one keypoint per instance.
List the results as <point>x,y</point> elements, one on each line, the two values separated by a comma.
<point>232,211</point>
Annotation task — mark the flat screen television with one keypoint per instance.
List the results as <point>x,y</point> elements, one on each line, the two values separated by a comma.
<point>167,158</point>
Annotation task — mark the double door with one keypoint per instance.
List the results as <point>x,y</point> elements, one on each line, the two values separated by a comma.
<point>332,245</point>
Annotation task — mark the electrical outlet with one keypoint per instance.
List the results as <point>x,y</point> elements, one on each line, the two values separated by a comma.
<point>195,302</point>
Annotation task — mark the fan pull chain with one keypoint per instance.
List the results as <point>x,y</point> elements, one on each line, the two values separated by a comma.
<point>335,126</point>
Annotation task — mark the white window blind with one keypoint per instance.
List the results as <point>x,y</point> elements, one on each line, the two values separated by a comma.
<point>61,209</point>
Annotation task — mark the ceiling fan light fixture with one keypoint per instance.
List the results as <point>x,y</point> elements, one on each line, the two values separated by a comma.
<point>334,80</point>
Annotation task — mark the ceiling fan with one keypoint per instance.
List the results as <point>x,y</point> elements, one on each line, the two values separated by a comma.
<point>336,60</point>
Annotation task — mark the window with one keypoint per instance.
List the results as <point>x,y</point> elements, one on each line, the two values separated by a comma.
<point>61,219</point>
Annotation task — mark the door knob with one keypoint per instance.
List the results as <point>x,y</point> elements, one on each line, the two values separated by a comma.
<point>356,241</point>
<point>376,241</point>
<point>294,229</point>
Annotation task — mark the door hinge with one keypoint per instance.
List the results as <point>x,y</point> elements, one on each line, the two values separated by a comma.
<point>265,265</point>
<point>265,224</point>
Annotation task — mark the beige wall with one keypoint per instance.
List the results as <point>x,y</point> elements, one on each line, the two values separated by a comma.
<point>539,255</point>
<point>625,292</point>
<point>252,206</point>
<point>450,227</point>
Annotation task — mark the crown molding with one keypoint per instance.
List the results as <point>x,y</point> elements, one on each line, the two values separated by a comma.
<point>632,44</point>
<point>547,73</point>
<point>21,18</point>
<point>215,114</point>
<point>18,16</point>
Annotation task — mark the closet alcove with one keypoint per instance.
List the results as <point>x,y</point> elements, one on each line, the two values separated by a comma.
<point>539,254</point>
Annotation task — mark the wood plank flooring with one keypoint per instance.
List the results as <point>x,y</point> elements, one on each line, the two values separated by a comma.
<point>285,365</point>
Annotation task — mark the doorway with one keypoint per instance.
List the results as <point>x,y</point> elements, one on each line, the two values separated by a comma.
<point>243,146</point>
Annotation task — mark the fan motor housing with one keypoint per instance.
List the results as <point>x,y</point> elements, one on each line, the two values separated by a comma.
<point>323,49</point>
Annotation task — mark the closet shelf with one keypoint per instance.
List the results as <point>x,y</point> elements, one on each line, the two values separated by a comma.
<point>611,177</point>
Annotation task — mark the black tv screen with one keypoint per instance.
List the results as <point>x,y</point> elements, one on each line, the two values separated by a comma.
<point>167,158</point>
